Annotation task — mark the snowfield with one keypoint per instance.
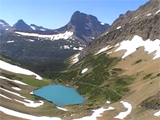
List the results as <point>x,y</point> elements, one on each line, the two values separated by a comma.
<point>84,70</point>
<point>65,35</point>
<point>137,41</point>
<point>15,81</point>
<point>15,69</point>
<point>122,115</point>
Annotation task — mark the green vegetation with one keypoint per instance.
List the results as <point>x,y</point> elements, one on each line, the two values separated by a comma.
<point>152,102</point>
<point>147,76</point>
<point>102,81</point>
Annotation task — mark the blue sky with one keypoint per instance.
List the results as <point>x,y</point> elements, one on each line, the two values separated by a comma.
<point>56,13</point>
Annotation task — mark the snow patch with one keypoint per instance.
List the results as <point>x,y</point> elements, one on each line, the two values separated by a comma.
<point>42,30</point>
<point>149,14</point>
<point>80,48</point>
<point>97,113</point>
<point>1,23</point>
<point>12,92</point>
<point>102,23</point>
<point>119,27</point>
<point>5,97</point>
<point>33,28</point>
<point>31,103</point>
<point>15,69</point>
<point>87,28</point>
<point>109,52</point>
<point>66,47</point>
<point>157,11</point>
<point>157,113</point>
<point>7,29</point>
<point>16,81</point>
<point>26,116</point>
<point>130,46</point>
<point>103,49</point>
<point>16,88</point>
<point>75,58</point>
<point>108,102</point>
<point>61,108</point>
<point>84,70</point>
<point>10,41</point>
<point>30,40</point>
<point>122,115</point>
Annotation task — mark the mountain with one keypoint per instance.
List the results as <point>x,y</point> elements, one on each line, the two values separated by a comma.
<point>22,26</point>
<point>85,27</point>
<point>143,22</point>
<point>4,25</point>
<point>117,74</point>
<point>34,44</point>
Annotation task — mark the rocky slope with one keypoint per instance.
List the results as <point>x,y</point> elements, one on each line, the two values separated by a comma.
<point>143,22</point>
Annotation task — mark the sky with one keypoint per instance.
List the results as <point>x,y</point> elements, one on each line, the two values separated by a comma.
<point>57,13</point>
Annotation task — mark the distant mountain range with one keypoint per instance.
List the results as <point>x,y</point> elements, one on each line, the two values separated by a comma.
<point>85,27</point>
<point>33,44</point>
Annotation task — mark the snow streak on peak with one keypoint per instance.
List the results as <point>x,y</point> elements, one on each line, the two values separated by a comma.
<point>102,23</point>
<point>33,27</point>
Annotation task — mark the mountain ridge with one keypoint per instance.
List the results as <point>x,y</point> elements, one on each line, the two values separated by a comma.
<point>143,22</point>
<point>85,27</point>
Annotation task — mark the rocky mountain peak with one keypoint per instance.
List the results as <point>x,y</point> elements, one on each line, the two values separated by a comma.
<point>22,26</point>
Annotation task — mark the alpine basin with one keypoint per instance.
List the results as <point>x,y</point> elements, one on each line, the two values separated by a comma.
<point>59,95</point>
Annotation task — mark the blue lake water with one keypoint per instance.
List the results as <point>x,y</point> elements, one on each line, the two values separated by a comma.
<point>59,95</point>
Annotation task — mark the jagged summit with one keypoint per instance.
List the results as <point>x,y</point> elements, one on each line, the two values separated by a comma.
<point>85,27</point>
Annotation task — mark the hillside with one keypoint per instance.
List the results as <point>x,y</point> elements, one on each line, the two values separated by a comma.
<point>117,74</point>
